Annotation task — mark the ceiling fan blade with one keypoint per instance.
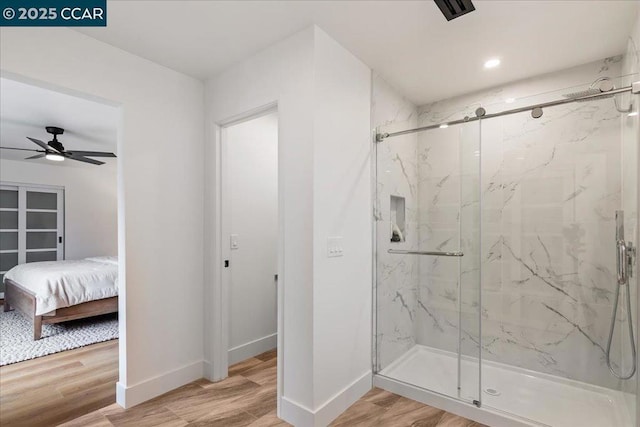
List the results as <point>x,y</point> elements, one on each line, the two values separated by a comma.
<point>83,159</point>
<point>21,149</point>
<point>42,144</point>
<point>91,153</point>
<point>37,156</point>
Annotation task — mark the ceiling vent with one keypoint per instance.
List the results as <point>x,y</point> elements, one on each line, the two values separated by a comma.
<point>451,9</point>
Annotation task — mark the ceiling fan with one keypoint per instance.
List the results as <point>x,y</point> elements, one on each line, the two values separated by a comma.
<point>54,150</point>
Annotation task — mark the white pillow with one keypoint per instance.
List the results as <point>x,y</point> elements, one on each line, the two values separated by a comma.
<point>104,259</point>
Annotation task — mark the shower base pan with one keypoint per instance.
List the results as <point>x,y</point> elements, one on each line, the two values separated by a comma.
<point>510,397</point>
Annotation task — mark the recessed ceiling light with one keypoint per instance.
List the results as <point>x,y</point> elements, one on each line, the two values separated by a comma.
<point>510,100</point>
<point>54,157</point>
<point>492,63</point>
<point>635,113</point>
<point>444,126</point>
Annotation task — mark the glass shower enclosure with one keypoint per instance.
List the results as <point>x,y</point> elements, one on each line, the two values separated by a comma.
<point>498,260</point>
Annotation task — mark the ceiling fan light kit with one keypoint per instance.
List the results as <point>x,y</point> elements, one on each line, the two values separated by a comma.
<point>55,151</point>
<point>54,157</point>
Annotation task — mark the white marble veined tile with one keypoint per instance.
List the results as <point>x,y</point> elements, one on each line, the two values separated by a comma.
<point>549,191</point>
<point>397,175</point>
<point>543,193</point>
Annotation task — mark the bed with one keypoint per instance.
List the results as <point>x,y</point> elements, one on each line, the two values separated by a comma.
<point>58,291</point>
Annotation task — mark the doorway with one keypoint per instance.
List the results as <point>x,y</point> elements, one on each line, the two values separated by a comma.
<point>250,234</point>
<point>59,199</point>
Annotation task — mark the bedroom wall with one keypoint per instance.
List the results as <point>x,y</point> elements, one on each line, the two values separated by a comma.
<point>90,202</point>
<point>160,211</point>
<point>323,98</point>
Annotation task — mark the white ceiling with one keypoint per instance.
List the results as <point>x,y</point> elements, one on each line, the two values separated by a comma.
<point>408,42</point>
<point>25,110</point>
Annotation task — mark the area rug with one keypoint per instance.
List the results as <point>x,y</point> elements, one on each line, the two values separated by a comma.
<point>16,336</point>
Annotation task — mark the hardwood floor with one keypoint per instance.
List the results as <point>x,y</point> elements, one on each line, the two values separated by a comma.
<point>66,386</point>
<point>53,389</point>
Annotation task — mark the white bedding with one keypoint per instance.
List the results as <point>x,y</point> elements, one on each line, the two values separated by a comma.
<point>59,284</point>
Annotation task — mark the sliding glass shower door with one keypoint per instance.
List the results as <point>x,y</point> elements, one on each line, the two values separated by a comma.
<point>506,246</point>
<point>557,191</point>
<point>428,299</point>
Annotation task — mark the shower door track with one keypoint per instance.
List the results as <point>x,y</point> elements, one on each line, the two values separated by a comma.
<point>481,112</point>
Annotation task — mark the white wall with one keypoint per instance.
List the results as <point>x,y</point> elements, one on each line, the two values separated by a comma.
<point>342,207</point>
<point>282,74</point>
<point>323,98</point>
<point>251,180</point>
<point>160,188</point>
<point>90,202</point>
<point>322,93</point>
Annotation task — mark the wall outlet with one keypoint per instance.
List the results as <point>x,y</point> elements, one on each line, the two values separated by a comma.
<point>233,241</point>
<point>334,247</point>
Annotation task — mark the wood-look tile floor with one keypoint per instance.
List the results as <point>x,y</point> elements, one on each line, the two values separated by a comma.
<point>49,390</point>
<point>382,408</point>
<point>248,398</point>
<point>79,385</point>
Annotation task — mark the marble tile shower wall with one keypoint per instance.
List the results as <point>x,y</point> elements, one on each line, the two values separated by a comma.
<point>397,175</point>
<point>549,191</point>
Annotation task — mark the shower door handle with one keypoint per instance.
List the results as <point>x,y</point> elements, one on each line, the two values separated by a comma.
<point>432,253</point>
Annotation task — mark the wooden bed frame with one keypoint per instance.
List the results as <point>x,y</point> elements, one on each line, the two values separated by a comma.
<point>17,296</point>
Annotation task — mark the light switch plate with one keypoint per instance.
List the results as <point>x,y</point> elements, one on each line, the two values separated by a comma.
<point>334,247</point>
<point>234,241</point>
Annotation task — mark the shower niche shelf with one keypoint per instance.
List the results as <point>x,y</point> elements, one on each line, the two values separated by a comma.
<point>398,216</point>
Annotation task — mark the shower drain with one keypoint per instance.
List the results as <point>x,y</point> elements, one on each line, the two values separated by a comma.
<point>492,391</point>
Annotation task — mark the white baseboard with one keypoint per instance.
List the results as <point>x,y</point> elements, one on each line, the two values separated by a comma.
<point>296,414</point>
<point>207,371</point>
<point>301,416</point>
<point>253,348</point>
<point>128,396</point>
<point>339,403</point>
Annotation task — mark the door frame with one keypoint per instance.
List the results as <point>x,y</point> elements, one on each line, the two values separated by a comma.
<point>221,250</point>
<point>54,84</point>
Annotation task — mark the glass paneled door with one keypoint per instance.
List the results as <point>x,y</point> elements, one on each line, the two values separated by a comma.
<point>31,225</point>
<point>427,297</point>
